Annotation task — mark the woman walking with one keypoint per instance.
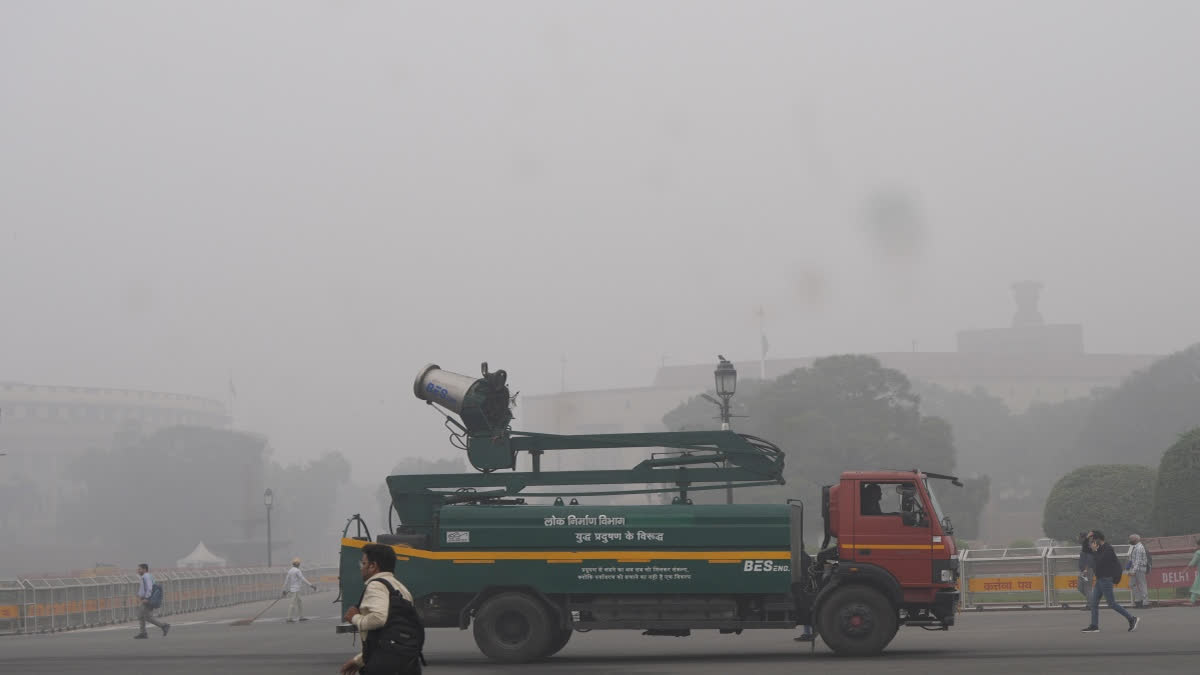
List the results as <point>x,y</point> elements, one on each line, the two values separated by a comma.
<point>1196,563</point>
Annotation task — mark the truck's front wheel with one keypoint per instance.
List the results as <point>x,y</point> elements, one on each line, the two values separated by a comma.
<point>513,628</point>
<point>857,621</point>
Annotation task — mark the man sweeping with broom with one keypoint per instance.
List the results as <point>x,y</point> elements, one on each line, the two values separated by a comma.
<point>292,584</point>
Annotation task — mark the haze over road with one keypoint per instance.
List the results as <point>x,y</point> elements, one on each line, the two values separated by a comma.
<point>989,642</point>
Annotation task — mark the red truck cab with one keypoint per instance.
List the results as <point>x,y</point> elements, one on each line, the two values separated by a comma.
<point>895,562</point>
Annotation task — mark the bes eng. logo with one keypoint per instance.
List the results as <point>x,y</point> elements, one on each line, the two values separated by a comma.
<point>764,566</point>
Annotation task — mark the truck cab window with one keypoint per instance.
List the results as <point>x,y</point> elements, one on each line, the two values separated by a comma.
<point>894,499</point>
<point>871,499</point>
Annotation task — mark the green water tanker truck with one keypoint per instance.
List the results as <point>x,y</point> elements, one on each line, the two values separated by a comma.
<point>524,577</point>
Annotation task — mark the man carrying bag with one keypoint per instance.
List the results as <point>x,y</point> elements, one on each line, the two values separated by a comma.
<point>391,630</point>
<point>1108,575</point>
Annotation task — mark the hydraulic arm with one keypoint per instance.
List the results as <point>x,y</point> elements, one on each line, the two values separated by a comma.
<point>690,461</point>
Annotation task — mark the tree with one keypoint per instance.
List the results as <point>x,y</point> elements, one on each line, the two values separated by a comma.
<point>156,497</point>
<point>843,412</point>
<point>1148,411</point>
<point>1114,498</point>
<point>303,517</point>
<point>1021,453</point>
<point>1176,498</point>
<point>985,434</point>
<point>983,425</point>
<point>965,505</point>
<point>1049,434</point>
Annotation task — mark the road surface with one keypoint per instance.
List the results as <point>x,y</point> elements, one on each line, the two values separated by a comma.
<point>1005,643</point>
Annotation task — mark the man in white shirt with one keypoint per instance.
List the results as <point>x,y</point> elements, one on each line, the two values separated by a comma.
<point>1137,571</point>
<point>292,584</point>
<point>378,562</point>
<point>145,612</point>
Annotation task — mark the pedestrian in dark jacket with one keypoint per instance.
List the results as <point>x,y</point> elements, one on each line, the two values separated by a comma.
<point>1108,574</point>
<point>1086,563</point>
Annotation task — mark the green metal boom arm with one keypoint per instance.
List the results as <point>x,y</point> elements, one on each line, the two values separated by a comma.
<point>737,460</point>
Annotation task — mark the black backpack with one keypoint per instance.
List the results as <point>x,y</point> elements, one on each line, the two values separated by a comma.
<point>396,646</point>
<point>156,597</point>
<point>1149,561</point>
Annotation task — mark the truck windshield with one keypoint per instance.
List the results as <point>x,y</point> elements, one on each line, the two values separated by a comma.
<point>937,508</point>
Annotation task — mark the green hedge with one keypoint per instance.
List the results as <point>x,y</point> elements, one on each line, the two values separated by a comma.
<point>1177,499</point>
<point>1115,498</point>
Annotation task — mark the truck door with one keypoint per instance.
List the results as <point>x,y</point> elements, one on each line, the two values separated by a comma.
<point>892,530</point>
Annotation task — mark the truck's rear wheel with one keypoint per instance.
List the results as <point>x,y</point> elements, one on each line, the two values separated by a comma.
<point>857,621</point>
<point>559,641</point>
<point>514,628</point>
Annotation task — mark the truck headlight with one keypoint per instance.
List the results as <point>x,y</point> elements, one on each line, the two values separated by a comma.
<point>947,576</point>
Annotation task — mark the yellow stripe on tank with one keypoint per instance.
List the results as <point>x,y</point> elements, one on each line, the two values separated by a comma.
<point>895,547</point>
<point>461,555</point>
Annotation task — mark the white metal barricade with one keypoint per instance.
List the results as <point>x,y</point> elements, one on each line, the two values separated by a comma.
<point>1062,576</point>
<point>1003,577</point>
<point>54,604</point>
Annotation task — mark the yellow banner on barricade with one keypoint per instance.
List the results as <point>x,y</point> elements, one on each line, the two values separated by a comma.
<point>1005,584</point>
<point>1064,582</point>
<point>9,612</point>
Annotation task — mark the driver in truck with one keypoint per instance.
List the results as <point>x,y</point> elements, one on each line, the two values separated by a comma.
<point>871,495</point>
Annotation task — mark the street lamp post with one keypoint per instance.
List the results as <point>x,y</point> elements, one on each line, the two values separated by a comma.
<point>268,498</point>
<point>725,377</point>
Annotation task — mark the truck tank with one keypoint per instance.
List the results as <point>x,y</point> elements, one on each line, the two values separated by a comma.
<point>608,549</point>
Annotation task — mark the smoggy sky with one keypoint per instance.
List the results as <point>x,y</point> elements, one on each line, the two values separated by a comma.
<point>318,197</point>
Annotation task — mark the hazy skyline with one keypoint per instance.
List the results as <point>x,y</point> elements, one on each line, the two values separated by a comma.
<point>320,197</point>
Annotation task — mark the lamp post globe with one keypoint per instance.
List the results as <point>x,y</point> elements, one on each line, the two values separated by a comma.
<point>726,378</point>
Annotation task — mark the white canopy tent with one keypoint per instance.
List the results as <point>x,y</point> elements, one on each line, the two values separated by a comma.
<point>201,557</point>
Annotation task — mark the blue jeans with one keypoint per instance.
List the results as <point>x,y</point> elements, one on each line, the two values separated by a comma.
<point>1103,585</point>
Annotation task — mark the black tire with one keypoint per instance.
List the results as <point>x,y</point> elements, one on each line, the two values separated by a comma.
<point>514,628</point>
<point>857,621</point>
<point>559,641</point>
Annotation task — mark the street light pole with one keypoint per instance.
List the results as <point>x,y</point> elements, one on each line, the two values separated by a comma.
<point>725,377</point>
<point>268,498</point>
